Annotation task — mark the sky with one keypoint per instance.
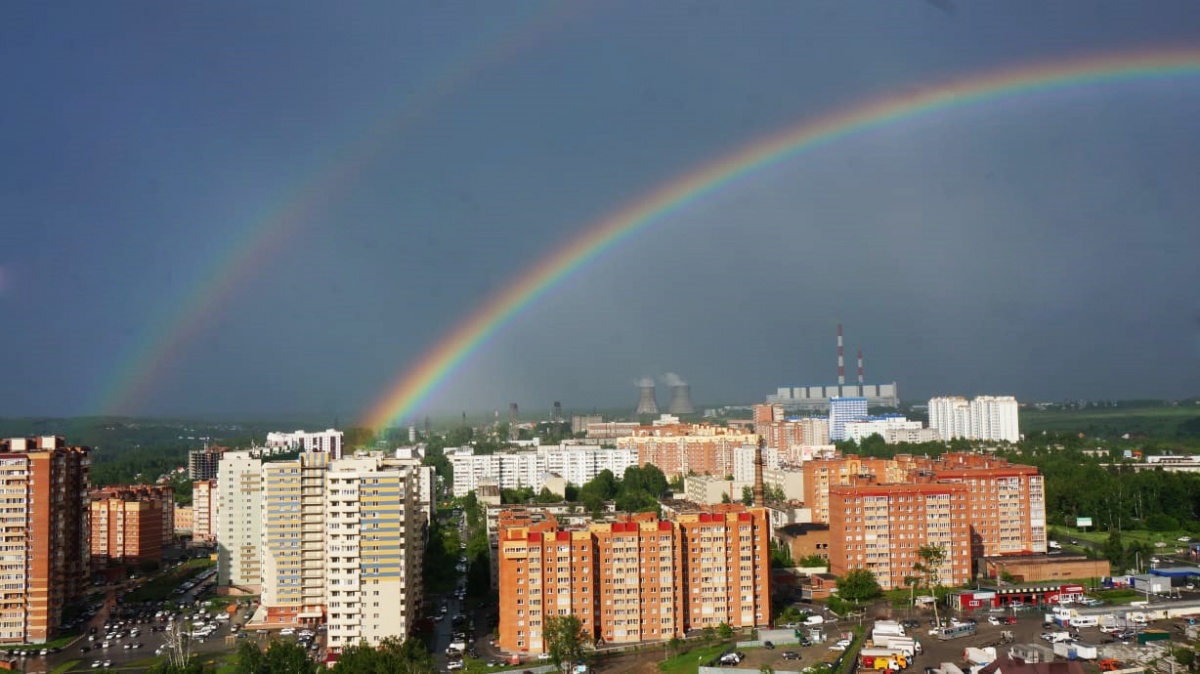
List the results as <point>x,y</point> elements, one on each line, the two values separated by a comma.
<point>279,207</point>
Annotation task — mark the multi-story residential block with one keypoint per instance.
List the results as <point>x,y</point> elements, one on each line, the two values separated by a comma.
<point>866,427</point>
<point>293,543</point>
<point>127,525</point>
<point>821,474</point>
<point>680,449</point>
<point>911,435</point>
<point>206,504</point>
<point>185,519</point>
<point>983,418</point>
<point>577,464</point>
<point>204,463</point>
<point>607,430</point>
<point>843,411</point>
<point>239,543</point>
<point>881,527</point>
<point>995,418</point>
<point>374,541</point>
<point>713,489</point>
<point>781,432</point>
<point>330,441</point>
<point>634,579</point>
<point>45,535</point>
<point>1007,509</point>
<point>581,422</point>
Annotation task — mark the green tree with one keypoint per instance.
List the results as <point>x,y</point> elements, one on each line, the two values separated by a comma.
<point>392,656</point>
<point>286,657</point>
<point>813,561</point>
<point>858,585</point>
<point>747,495</point>
<point>932,558</point>
<point>725,631</point>
<point>564,639</point>
<point>250,659</point>
<point>1114,551</point>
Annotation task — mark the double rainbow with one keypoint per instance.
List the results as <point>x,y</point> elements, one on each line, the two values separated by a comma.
<point>416,384</point>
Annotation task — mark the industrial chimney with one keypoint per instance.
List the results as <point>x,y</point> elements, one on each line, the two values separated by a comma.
<point>646,401</point>
<point>760,492</point>
<point>681,400</point>
<point>841,360</point>
<point>860,371</point>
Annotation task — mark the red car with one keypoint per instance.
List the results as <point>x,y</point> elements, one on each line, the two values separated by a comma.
<point>1008,620</point>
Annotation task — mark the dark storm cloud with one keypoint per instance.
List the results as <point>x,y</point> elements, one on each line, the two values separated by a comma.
<point>1040,246</point>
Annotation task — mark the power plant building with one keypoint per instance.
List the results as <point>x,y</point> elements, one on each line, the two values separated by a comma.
<point>815,398</point>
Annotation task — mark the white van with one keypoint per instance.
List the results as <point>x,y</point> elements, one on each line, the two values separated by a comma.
<point>1085,621</point>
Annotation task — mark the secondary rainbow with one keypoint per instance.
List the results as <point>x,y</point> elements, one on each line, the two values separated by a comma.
<point>417,383</point>
<point>164,339</point>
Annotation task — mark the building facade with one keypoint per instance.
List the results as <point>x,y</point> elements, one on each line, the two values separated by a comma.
<point>374,543</point>
<point>843,411</point>
<point>636,578</point>
<point>330,441</point>
<point>679,449</point>
<point>206,504</point>
<point>239,544</point>
<point>993,418</point>
<point>293,543</point>
<point>45,528</point>
<point>577,464</point>
<point>204,463</point>
<point>127,527</point>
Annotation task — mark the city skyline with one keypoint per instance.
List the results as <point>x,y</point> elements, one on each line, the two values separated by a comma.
<point>414,211</point>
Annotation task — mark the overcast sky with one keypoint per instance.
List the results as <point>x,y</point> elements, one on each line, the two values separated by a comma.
<point>381,168</point>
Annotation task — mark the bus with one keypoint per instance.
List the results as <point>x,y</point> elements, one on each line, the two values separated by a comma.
<point>957,631</point>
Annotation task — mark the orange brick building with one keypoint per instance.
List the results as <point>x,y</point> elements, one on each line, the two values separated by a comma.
<point>45,534</point>
<point>880,527</point>
<point>634,579</point>
<point>679,449</point>
<point>126,527</point>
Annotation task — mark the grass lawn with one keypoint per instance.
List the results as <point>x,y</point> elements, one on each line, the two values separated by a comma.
<point>689,661</point>
<point>64,667</point>
<point>60,642</point>
<point>1064,534</point>
<point>162,587</point>
<point>1157,421</point>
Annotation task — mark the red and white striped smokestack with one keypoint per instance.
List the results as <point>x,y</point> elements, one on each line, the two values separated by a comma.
<point>841,359</point>
<point>860,369</point>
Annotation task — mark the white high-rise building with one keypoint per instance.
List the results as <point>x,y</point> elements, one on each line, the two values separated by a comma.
<point>865,428</point>
<point>995,418</point>
<point>577,464</point>
<point>743,462</point>
<point>842,410</point>
<point>239,542</point>
<point>374,537</point>
<point>329,441</point>
<point>984,418</point>
<point>951,417</point>
<point>293,545</point>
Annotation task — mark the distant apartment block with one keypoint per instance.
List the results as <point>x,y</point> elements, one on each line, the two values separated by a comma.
<point>206,504</point>
<point>239,545</point>
<point>329,441</point>
<point>45,528</point>
<point>843,411</point>
<point>204,463</point>
<point>994,418</point>
<point>130,525</point>
<point>1007,505</point>
<point>679,449</point>
<point>607,430</point>
<point>868,426</point>
<point>185,519</point>
<point>577,464</point>
<point>713,489</point>
<point>635,579</point>
<point>782,432</point>
<point>581,422</point>
<point>373,551</point>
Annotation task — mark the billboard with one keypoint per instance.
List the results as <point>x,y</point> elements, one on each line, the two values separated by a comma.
<point>1083,522</point>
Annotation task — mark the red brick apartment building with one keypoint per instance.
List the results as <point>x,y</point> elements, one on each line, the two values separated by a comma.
<point>128,525</point>
<point>881,511</point>
<point>45,534</point>
<point>636,578</point>
<point>680,449</point>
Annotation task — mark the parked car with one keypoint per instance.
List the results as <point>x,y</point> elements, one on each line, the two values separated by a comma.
<point>791,655</point>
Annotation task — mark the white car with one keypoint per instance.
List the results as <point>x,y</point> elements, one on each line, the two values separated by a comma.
<point>287,631</point>
<point>993,620</point>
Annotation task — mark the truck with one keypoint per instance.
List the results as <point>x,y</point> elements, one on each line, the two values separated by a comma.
<point>1084,621</point>
<point>887,628</point>
<point>1146,636</point>
<point>979,656</point>
<point>949,668</point>
<point>906,645</point>
<point>882,658</point>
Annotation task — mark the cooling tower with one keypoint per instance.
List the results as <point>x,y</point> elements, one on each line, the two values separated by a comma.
<point>646,402</point>
<point>681,400</point>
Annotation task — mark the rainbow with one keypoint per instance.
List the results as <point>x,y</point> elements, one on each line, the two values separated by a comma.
<point>161,345</point>
<point>416,384</point>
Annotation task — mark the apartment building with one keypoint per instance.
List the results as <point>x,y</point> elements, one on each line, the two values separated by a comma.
<point>636,578</point>
<point>374,540</point>
<point>881,527</point>
<point>782,432</point>
<point>203,464</point>
<point>293,539</point>
<point>126,529</point>
<point>161,494</point>
<point>45,535</point>
<point>822,474</point>
<point>868,426</point>
<point>185,519</point>
<point>206,504</point>
<point>712,489</point>
<point>239,545</point>
<point>843,411</point>
<point>983,418</point>
<point>1007,510</point>
<point>329,441</point>
<point>577,464</point>
<point>680,449</point>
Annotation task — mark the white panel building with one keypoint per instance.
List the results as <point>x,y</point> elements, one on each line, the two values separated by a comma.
<point>950,416</point>
<point>329,441</point>
<point>984,418</point>
<point>239,532</point>
<point>577,464</point>
<point>743,462</point>
<point>865,428</point>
